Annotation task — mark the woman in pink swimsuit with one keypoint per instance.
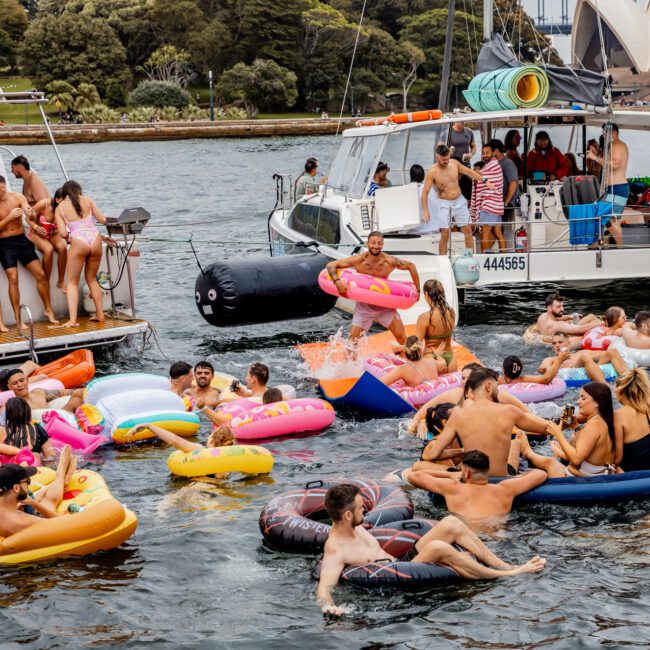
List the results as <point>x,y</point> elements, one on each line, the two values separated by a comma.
<point>75,215</point>
<point>43,232</point>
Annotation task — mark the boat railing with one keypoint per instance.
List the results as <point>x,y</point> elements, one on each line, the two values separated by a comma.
<point>30,320</point>
<point>575,234</point>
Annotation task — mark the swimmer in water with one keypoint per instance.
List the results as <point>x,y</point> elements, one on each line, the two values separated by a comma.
<point>350,543</point>
<point>203,376</point>
<point>221,436</point>
<point>468,493</point>
<point>553,320</point>
<point>513,367</point>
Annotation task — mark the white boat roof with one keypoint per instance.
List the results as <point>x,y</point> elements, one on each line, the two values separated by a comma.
<point>625,118</point>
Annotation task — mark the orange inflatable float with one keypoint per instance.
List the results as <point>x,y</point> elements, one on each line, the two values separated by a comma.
<point>315,354</point>
<point>402,118</point>
<point>73,369</point>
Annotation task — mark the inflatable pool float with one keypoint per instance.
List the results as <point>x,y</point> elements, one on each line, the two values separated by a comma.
<point>89,419</point>
<point>63,433</point>
<point>575,377</point>
<point>24,457</point>
<point>248,459</point>
<point>532,336</point>
<point>611,488</point>
<point>46,384</point>
<point>380,292</point>
<point>530,392</point>
<point>632,356</point>
<point>72,370</point>
<point>103,387</point>
<point>397,538</point>
<point>102,524</point>
<point>123,411</point>
<point>293,521</point>
<point>282,419</point>
<point>381,364</point>
<point>596,339</point>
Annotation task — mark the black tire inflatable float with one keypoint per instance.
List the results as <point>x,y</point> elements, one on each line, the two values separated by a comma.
<point>290,522</point>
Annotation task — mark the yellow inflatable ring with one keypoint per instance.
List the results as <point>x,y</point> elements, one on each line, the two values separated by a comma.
<point>103,524</point>
<point>246,459</point>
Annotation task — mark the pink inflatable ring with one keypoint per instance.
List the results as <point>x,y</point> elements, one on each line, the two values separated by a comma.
<point>596,339</point>
<point>380,292</point>
<point>380,364</point>
<point>529,392</point>
<point>282,418</point>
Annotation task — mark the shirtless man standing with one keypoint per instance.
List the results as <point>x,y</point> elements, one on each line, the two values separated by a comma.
<point>14,248</point>
<point>203,376</point>
<point>377,263</point>
<point>38,398</point>
<point>444,177</point>
<point>590,360</point>
<point>474,498</point>
<point>553,320</point>
<point>34,189</point>
<point>637,335</point>
<point>486,425</point>
<point>350,543</point>
<point>618,189</point>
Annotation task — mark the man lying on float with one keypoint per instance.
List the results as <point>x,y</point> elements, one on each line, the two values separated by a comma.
<point>380,265</point>
<point>350,543</point>
<point>38,398</point>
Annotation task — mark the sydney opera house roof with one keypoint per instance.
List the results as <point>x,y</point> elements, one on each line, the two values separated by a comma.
<point>626,34</point>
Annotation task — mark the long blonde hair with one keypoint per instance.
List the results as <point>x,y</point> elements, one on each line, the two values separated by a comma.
<point>634,387</point>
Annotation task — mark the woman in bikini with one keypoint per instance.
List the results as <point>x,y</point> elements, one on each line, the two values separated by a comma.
<point>591,450</point>
<point>75,215</point>
<point>436,326</point>
<point>44,234</point>
<point>417,368</point>
<point>20,432</point>
<point>632,421</point>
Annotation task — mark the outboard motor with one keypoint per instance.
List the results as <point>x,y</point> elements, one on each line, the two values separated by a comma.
<point>262,290</point>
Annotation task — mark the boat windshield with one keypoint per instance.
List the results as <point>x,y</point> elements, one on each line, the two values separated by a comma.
<point>354,164</point>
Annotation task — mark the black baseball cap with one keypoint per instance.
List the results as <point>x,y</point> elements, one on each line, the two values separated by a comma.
<point>12,473</point>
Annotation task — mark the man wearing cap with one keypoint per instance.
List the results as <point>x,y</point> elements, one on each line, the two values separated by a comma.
<point>379,180</point>
<point>14,494</point>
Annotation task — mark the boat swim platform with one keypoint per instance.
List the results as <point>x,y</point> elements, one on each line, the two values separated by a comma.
<point>56,338</point>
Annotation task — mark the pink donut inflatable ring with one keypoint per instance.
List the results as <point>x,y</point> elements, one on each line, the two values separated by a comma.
<point>380,292</point>
<point>380,364</point>
<point>596,339</point>
<point>46,384</point>
<point>528,392</point>
<point>282,418</point>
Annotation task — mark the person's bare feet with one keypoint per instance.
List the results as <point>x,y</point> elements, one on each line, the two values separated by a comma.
<point>3,327</point>
<point>65,458</point>
<point>51,317</point>
<point>535,565</point>
<point>70,324</point>
<point>72,468</point>
<point>61,286</point>
<point>99,319</point>
<point>525,445</point>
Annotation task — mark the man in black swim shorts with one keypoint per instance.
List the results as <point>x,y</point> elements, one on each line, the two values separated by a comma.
<point>14,248</point>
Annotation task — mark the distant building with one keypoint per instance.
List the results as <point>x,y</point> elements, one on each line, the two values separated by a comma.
<point>626,36</point>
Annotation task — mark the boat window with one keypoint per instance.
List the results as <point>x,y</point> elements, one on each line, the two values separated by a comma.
<point>393,156</point>
<point>354,164</point>
<point>422,141</point>
<point>316,222</point>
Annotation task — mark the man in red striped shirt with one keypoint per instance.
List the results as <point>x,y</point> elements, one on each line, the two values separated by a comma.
<point>487,201</point>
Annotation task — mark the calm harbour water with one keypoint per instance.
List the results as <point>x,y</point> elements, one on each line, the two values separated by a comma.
<point>196,574</point>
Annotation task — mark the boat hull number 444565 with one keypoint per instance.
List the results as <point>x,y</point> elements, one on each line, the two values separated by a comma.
<point>504,263</point>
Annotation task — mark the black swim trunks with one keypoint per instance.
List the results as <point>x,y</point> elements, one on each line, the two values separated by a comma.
<point>14,249</point>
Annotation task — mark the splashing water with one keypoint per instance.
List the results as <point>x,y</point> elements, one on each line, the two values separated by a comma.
<point>342,357</point>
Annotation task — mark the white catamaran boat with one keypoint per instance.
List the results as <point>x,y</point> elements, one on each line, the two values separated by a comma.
<point>117,277</point>
<point>337,220</point>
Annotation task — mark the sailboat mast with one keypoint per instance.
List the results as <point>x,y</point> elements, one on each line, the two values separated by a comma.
<point>446,64</point>
<point>488,19</point>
